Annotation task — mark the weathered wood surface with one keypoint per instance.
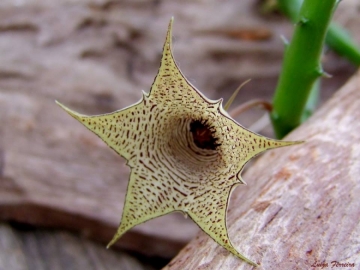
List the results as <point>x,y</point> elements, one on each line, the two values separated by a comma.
<point>44,250</point>
<point>301,204</point>
<point>95,56</point>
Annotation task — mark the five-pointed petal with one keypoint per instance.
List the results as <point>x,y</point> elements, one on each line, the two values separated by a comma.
<point>185,152</point>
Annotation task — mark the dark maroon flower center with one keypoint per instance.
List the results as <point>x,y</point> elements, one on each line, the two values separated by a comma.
<point>203,135</point>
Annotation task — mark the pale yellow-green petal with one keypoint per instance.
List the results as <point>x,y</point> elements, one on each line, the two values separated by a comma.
<point>184,150</point>
<point>170,84</point>
<point>211,218</point>
<point>120,130</point>
<point>145,199</point>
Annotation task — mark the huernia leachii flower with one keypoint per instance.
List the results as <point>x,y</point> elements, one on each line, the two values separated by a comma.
<point>184,150</point>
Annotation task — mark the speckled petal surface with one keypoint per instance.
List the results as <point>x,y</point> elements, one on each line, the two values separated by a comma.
<point>185,152</point>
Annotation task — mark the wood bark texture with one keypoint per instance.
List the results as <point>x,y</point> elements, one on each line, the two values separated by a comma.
<point>301,204</point>
<point>48,249</point>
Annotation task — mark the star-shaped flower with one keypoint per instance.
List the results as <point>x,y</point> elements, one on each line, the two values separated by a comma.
<point>184,150</point>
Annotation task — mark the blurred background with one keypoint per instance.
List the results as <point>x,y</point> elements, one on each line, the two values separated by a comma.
<point>61,188</point>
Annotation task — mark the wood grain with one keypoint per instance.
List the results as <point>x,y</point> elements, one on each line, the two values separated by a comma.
<point>36,249</point>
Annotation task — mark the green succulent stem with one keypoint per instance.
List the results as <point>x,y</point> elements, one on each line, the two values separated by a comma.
<point>301,66</point>
<point>341,42</point>
<point>337,38</point>
<point>290,8</point>
<point>312,101</point>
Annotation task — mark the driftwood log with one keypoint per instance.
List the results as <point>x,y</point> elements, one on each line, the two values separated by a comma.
<point>301,206</point>
<point>48,249</point>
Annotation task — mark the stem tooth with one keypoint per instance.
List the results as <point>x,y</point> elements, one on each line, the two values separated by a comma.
<point>303,21</point>
<point>321,73</point>
<point>326,75</point>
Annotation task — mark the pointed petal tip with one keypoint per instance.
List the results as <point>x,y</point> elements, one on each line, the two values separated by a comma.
<point>285,143</point>
<point>113,240</point>
<point>69,111</point>
<point>171,23</point>
<point>58,103</point>
<point>63,106</point>
<point>246,259</point>
<point>279,143</point>
<point>250,262</point>
<point>170,27</point>
<point>168,40</point>
<point>242,257</point>
<point>242,181</point>
<point>111,243</point>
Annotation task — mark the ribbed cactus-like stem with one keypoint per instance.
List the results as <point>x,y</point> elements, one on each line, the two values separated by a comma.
<point>301,65</point>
